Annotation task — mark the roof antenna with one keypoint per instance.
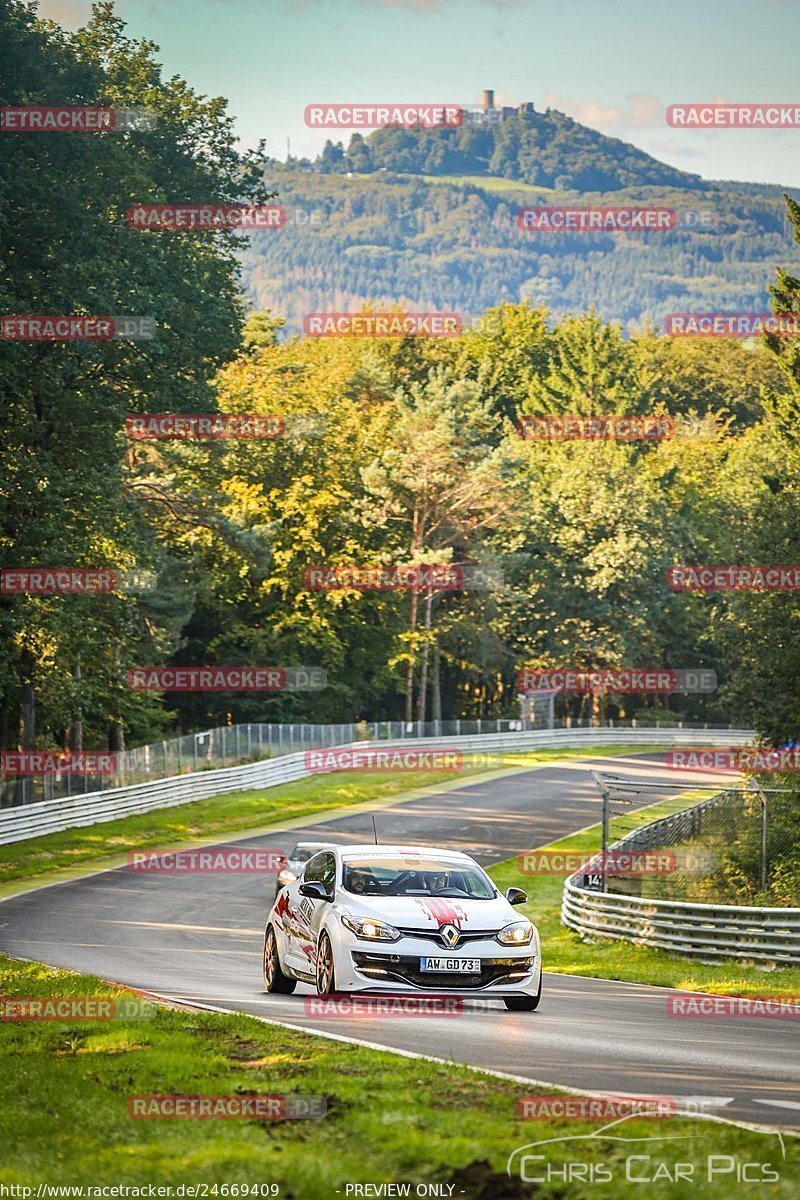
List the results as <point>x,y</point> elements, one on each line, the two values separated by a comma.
<point>375,830</point>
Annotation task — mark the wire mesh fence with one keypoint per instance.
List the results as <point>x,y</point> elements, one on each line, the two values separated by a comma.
<point>731,845</point>
<point>227,746</point>
<point>230,745</point>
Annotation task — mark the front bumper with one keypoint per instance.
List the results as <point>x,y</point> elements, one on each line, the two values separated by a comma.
<point>395,967</point>
<point>405,969</point>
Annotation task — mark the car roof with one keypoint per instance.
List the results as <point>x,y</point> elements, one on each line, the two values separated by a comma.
<point>369,850</point>
<point>313,846</point>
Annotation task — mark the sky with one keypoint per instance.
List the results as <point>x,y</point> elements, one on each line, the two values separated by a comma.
<point>612,64</point>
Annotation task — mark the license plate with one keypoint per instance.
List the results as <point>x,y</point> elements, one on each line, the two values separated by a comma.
<point>458,966</point>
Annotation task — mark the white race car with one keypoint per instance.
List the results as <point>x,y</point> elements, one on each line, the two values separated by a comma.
<point>401,919</point>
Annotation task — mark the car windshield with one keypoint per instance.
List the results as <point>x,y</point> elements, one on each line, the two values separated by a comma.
<point>412,876</point>
<point>302,854</point>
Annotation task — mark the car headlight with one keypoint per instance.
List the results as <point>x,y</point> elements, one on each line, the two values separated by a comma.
<point>371,930</point>
<point>286,876</point>
<point>518,933</point>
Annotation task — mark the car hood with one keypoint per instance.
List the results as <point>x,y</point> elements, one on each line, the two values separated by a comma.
<point>432,912</point>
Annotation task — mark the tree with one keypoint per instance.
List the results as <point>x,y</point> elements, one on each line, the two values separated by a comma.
<point>444,486</point>
<point>66,498</point>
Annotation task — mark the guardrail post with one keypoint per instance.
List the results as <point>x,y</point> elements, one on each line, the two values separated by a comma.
<point>604,840</point>
<point>763,799</point>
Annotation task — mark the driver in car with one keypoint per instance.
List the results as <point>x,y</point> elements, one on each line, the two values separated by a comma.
<point>359,882</point>
<point>436,881</point>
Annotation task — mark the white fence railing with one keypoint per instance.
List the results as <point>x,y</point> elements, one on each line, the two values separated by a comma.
<point>52,816</point>
<point>234,745</point>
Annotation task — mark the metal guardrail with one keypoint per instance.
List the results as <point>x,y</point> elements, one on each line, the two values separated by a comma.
<point>233,745</point>
<point>52,816</point>
<point>706,931</point>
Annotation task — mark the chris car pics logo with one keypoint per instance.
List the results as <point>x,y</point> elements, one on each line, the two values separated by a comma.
<point>654,1158</point>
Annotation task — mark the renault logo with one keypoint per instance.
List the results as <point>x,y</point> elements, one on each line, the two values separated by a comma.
<point>449,935</point>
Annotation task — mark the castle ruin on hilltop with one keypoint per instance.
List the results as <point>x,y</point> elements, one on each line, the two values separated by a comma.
<point>487,114</point>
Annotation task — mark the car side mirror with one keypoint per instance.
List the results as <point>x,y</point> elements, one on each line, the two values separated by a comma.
<point>515,896</point>
<point>315,890</point>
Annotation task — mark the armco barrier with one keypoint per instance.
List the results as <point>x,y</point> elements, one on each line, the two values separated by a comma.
<point>707,931</point>
<point>51,816</point>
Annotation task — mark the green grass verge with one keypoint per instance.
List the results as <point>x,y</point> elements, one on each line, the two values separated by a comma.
<point>491,183</point>
<point>64,1115</point>
<point>241,813</point>
<point>606,958</point>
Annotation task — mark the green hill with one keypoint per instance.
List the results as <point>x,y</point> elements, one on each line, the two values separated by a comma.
<point>456,246</point>
<point>546,149</point>
<point>428,220</point>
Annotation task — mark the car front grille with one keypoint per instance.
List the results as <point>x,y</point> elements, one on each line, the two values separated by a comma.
<point>404,968</point>
<point>434,935</point>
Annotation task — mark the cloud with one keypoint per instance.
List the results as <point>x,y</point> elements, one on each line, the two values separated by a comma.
<point>674,146</point>
<point>70,13</point>
<point>412,5</point>
<point>640,111</point>
<point>435,5</point>
<point>425,6</point>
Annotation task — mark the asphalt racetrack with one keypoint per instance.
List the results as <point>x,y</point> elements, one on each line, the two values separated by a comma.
<point>198,938</point>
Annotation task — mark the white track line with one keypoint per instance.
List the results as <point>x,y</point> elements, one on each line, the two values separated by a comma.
<point>446,1062</point>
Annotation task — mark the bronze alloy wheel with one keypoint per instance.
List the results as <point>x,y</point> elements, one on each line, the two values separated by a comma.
<point>325,969</point>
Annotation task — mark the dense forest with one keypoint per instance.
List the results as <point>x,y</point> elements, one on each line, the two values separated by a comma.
<point>413,456</point>
<point>450,244</point>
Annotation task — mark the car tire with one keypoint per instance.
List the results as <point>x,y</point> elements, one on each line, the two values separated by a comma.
<point>524,1003</point>
<point>325,976</point>
<point>274,979</point>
